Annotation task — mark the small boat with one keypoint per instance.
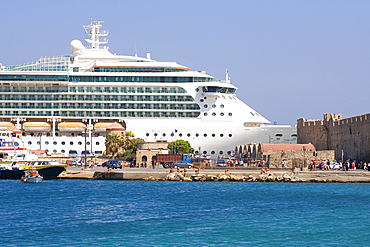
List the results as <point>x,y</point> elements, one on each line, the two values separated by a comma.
<point>32,176</point>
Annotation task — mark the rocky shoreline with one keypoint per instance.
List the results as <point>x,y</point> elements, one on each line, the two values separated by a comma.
<point>279,176</point>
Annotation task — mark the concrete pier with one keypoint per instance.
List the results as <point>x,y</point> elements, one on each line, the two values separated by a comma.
<point>161,174</point>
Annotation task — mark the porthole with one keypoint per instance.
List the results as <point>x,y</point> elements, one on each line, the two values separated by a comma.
<point>196,152</point>
<point>201,100</point>
<point>24,134</point>
<point>205,106</point>
<point>204,152</point>
<point>228,152</point>
<point>155,134</point>
<point>71,143</point>
<point>63,143</point>
<point>147,134</point>
<point>63,151</point>
<point>97,143</point>
<point>205,97</point>
<point>213,135</point>
<point>213,106</point>
<point>213,152</point>
<point>230,135</point>
<point>164,134</point>
<point>230,114</point>
<point>54,151</point>
<point>172,134</point>
<point>188,134</point>
<point>196,135</point>
<point>222,114</point>
<point>48,134</point>
<point>88,143</point>
<point>29,143</point>
<point>221,152</point>
<point>180,135</point>
<point>55,143</point>
<point>46,143</point>
<point>205,135</point>
<point>222,106</point>
<point>32,134</point>
<point>79,143</point>
<point>213,113</point>
<point>205,114</point>
<point>221,135</point>
<point>38,143</point>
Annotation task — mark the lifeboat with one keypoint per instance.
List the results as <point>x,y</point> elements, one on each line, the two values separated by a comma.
<point>72,127</point>
<point>102,127</point>
<point>5,125</point>
<point>36,126</point>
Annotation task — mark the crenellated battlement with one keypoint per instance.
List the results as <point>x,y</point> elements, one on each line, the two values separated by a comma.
<point>351,134</point>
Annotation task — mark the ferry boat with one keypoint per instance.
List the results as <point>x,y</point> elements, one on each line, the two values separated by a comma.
<point>72,100</point>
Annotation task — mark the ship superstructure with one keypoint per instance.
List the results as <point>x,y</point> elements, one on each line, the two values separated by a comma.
<point>64,103</point>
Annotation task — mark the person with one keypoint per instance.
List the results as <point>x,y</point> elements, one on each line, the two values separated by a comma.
<point>153,164</point>
<point>185,170</point>
<point>241,163</point>
<point>353,166</point>
<point>283,164</point>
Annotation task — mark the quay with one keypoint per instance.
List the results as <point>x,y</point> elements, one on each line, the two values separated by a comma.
<point>230,174</point>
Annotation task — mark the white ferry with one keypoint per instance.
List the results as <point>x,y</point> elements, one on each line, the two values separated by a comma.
<point>63,103</point>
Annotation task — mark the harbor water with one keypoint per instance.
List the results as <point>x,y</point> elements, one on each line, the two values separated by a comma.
<point>152,213</point>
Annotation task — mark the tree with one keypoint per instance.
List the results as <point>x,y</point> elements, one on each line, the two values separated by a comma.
<point>180,146</point>
<point>113,143</point>
<point>122,145</point>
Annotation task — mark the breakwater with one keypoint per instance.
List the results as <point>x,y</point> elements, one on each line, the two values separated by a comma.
<point>222,175</point>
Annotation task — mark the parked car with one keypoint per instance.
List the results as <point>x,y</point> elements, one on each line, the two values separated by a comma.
<point>181,164</point>
<point>113,164</point>
<point>71,163</point>
<point>221,163</point>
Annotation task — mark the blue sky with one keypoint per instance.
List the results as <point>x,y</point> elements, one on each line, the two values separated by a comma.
<point>289,59</point>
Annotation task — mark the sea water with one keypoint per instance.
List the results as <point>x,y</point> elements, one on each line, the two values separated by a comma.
<point>150,213</point>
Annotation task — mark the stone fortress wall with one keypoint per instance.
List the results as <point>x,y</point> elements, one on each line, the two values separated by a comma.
<point>349,137</point>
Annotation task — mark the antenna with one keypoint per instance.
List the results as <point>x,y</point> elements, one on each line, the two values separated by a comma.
<point>135,51</point>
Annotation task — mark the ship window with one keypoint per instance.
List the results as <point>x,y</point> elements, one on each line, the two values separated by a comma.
<point>294,135</point>
<point>55,143</point>
<point>180,135</point>
<point>205,106</point>
<point>147,134</point>
<point>87,143</point>
<point>230,114</point>
<point>63,143</point>
<point>79,143</point>
<point>221,152</point>
<point>38,143</point>
<point>29,143</point>
<point>213,114</point>
<point>213,135</point>
<point>205,114</point>
<point>196,134</point>
<point>97,143</point>
<point>222,114</point>
<point>204,152</point>
<point>164,134</point>
<point>221,135</point>
<point>222,106</point>
<point>172,134</point>
<point>279,135</point>
<point>205,135</point>
<point>54,151</point>
<point>188,134</point>
<point>201,100</point>
<point>214,106</point>
<point>46,143</point>
<point>213,152</point>
<point>230,135</point>
<point>71,143</point>
<point>155,134</point>
<point>63,151</point>
<point>228,152</point>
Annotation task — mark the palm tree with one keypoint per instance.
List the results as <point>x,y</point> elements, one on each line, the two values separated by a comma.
<point>114,143</point>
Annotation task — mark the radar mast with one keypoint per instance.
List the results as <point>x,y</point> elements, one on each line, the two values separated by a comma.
<point>93,30</point>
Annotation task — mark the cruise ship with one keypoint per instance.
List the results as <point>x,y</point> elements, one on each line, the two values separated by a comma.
<point>63,103</point>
